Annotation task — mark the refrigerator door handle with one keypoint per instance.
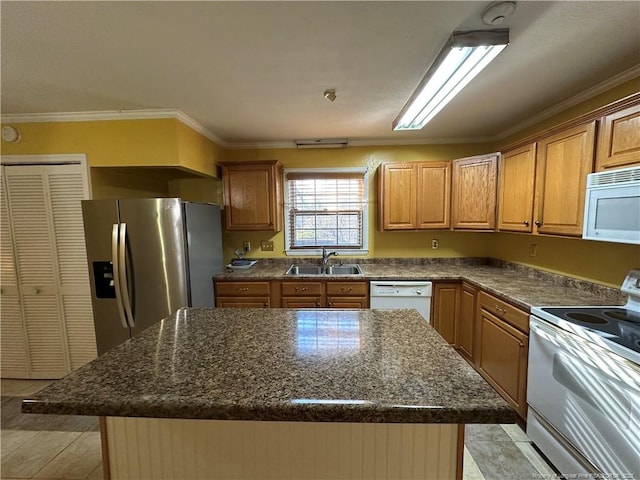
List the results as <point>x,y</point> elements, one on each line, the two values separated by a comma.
<point>124,285</point>
<point>116,274</point>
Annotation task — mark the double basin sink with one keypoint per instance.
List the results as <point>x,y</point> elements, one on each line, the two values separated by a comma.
<point>352,269</point>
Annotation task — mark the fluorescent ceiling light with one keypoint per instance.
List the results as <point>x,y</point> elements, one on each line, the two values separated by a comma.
<point>462,58</point>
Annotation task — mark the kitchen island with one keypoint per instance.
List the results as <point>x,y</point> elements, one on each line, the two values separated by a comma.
<point>280,393</point>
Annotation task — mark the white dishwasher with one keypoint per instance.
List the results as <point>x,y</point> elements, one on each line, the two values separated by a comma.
<point>406,294</point>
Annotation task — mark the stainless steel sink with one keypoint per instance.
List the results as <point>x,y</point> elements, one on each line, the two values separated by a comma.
<point>304,270</point>
<point>351,269</point>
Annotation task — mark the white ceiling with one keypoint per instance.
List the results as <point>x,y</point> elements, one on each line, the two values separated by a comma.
<point>254,72</point>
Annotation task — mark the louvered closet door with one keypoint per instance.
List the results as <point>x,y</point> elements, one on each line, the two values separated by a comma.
<point>66,190</point>
<point>14,357</point>
<point>46,219</point>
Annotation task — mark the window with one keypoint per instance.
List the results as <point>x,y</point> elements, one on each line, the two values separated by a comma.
<point>325,208</point>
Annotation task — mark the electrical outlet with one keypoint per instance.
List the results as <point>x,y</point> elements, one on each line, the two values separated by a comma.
<point>266,245</point>
<point>246,246</point>
<point>533,249</point>
<point>435,244</point>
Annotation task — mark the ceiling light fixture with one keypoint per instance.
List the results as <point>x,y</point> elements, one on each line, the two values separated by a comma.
<point>322,143</point>
<point>462,58</point>
<point>330,95</point>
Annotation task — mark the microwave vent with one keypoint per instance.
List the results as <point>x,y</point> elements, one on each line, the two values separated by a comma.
<point>614,177</point>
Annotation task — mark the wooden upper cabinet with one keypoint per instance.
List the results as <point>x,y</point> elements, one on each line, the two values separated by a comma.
<point>434,195</point>
<point>474,185</point>
<point>253,195</point>
<point>414,195</point>
<point>619,140</point>
<point>563,162</point>
<point>397,194</point>
<point>516,187</point>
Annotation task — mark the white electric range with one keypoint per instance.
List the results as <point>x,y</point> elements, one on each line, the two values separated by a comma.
<point>583,386</point>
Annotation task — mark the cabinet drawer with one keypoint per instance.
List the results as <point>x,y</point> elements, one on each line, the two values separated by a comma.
<point>505,311</point>
<point>242,288</point>
<point>301,288</point>
<point>347,288</point>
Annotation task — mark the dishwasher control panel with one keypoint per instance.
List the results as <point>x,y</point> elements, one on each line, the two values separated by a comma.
<point>400,289</point>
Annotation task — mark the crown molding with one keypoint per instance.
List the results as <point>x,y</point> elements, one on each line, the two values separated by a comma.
<point>619,79</point>
<point>153,114</point>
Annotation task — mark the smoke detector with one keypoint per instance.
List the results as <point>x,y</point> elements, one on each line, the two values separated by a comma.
<point>497,13</point>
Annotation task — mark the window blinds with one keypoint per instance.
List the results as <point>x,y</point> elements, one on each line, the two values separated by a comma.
<point>325,209</point>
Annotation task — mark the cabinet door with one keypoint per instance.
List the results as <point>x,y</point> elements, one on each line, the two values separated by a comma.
<point>397,196</point>
<point>517,177</point>
<point>503,359</point>
<point>13,347</point>
<point>242,302</point>
<point>446,299</point>
<point>433,195</point>
<point>252,193</point>
<point>619,140</point>
<point>301,302</point>
<point>564,161</point>
<point>33,237</point>
<point>474,192</point>
<point>347,302</point>
<point>465,320</point>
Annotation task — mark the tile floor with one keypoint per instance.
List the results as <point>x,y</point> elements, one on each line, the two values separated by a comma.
<point>50,447</point>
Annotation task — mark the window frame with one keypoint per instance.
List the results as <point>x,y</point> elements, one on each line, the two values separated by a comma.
<point>365,212</point>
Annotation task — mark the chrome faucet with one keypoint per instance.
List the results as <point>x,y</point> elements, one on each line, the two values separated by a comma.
<point>326,255</point>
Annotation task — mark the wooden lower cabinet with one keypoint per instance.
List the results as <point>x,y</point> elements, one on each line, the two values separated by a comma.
<point>445,307</point>
<point>242,294</point>
<point>347,294</point>
<point>465,324</point>
<point>302,295</point>
<point>292,294</point>
<point>503,351</point>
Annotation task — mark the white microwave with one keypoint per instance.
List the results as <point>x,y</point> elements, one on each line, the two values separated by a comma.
<point>612,206</point>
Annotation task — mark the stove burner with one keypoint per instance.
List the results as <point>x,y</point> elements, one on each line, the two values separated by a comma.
<point>624,315</point>
<point>586,318</point>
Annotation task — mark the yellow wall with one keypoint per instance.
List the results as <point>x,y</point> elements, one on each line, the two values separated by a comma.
<point>196,152</point>
<point>381,244</point>
<point>601,262</point>
<point>143,144</point>
<point>170,144</point>
<point>116,143</point>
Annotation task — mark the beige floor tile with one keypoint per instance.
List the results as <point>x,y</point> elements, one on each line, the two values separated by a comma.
<point>35,453</point>
<point>15,387</point>
<point>470,470</point>
<point>77,461</point>
<point>534,457</point>
<point>12,439</point>
<point>97,474</point>
<point>515,432</point>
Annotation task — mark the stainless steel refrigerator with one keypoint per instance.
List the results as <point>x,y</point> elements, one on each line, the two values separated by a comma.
<point>147,258</point>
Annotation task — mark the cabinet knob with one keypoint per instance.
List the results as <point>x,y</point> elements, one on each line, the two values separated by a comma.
<point>500,309</point>
<point>526,222</point>
<point>521,345</point>
<point>36,290</point>
<point>266,304</point>
<point>330,304</point>
<point>538,223</point>
<point>318,304</point>
<point>301,289</point>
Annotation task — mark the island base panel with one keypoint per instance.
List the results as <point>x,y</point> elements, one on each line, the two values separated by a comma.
<point>153,448</point>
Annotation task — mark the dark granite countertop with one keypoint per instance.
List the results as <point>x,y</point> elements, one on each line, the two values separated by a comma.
<point>522,286</point>
<point>281,364</point>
